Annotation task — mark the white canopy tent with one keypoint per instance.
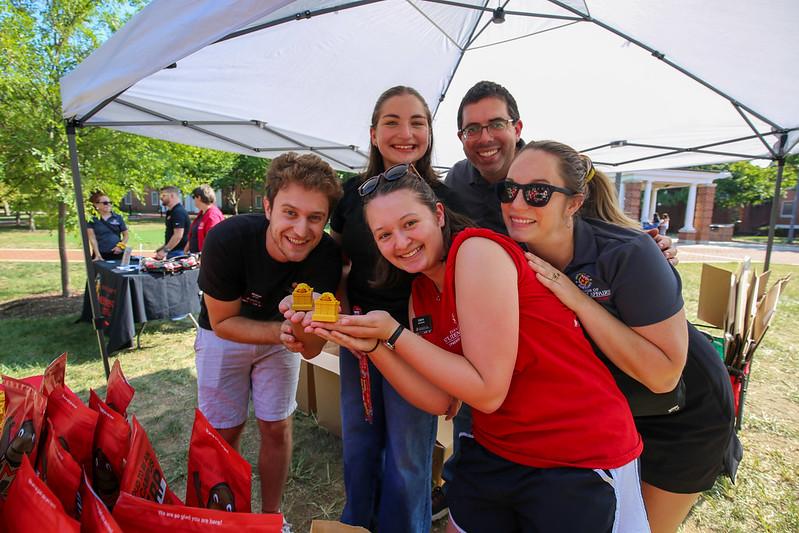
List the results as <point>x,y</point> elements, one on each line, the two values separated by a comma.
<point>636,85</point>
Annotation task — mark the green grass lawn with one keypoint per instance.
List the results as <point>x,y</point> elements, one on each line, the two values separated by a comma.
<point>763,239</point>
<point>19,280</point>
<point>147,233</point>
<point>763,499</point>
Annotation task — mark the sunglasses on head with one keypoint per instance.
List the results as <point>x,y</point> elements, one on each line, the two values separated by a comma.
<point>105,202</point>
<point>535,194</point>
<point>392,174</point>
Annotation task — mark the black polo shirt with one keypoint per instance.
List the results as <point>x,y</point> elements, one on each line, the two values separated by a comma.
<point>107,232</point>
<point>625,271</point>
<point>236,265</point>
<point>478,197</point>
<point>177,217</point>
<point>359,246</point>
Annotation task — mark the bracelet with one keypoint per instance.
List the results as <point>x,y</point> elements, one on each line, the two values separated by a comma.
<point>375,348</point>
<point>392,341</point>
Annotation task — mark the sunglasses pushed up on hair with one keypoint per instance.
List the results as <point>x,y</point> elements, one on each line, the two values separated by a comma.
<point>392,174</point>
<point>535,194</point>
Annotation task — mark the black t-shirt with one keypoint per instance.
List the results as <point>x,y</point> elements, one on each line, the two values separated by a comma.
<point>359,245</point>
<point>107,232</point>
<point>479,197</point>
<point>176,218</point>
<point>236,265</point>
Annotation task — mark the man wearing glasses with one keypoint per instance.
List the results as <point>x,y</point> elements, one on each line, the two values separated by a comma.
<point>490,129</point>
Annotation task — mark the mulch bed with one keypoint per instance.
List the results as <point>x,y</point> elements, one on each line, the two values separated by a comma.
<point>42,306</point>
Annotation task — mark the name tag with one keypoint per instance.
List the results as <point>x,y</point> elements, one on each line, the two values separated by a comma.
<point>422,324</point>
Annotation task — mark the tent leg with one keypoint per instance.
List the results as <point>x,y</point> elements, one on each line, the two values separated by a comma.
<point>791,230</point>
<point>87,259</point>
<point>775,206</point>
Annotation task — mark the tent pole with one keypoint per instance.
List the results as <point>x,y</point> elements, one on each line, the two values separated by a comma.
<point>791,229</point>
<point>87,259</point>
<point>775,206</point>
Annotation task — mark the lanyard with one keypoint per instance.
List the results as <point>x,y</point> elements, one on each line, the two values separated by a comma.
<point>366,386</point>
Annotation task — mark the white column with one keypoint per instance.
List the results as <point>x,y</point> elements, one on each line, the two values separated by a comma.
<point>621,195</point>
<point>653,206</point>
<point>646,216</point>
<point>690,209</point>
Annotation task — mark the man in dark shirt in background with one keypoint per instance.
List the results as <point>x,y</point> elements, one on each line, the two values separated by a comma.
<point>177,224</point>
<point>250,263</point>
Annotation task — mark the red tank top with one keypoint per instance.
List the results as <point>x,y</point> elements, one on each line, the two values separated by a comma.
<point>563,407</point>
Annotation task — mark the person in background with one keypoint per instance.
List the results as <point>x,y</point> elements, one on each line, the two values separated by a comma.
<point>107,231</point>
<point>177,222</point>
<point>209,216</point>
<point>663,226</point>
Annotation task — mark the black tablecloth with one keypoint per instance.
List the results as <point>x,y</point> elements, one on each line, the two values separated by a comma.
<point>130,298</point>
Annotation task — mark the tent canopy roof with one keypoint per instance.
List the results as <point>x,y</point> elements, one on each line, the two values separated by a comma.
<point>638,85</point>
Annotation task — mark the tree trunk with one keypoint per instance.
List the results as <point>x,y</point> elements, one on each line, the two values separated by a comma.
<point>18,222</point>
<point>62,248</point>
<point>31,222</point>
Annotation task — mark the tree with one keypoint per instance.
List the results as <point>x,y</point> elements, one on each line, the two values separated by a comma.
<point>247,172</point>
<point>40,41</point>
<point>753,185</point>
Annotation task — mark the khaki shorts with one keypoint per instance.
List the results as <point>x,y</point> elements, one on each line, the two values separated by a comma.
<point>227,371</point>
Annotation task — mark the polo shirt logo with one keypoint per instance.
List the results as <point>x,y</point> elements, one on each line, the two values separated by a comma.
<point>583,280</point>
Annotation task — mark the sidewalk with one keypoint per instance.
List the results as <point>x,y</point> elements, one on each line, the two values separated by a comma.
<point>38,255</point>
<point>714,252</point>
<point>719,252</point>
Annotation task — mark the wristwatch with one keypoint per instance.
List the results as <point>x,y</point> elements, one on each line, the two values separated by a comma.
<point>391,341</point>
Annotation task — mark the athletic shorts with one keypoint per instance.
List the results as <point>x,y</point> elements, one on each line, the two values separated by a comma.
<point>227,371</point>
<point>489,494</point>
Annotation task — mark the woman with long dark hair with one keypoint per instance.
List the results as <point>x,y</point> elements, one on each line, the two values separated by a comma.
<point>388,442</point>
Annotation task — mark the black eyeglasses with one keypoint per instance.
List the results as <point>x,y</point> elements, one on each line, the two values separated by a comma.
<point>392,174</point>
<point>495,126</point>
<point>535,194</point>
<point>104,203</point>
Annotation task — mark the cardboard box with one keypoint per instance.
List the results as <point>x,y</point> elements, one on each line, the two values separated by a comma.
<point>716,293</point>
<point>741,305</point>
<point>306,390</point>
<point>327,391</point>
<point>306,395</point>
<point>330,526</point>
<point>443,448</point>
